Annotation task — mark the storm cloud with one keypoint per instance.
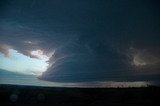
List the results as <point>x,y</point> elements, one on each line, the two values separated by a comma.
<point>98,40</point>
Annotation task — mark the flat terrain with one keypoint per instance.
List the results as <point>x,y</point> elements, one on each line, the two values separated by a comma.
<point>11,95</point>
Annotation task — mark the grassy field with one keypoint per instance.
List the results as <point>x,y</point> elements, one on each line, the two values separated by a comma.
<point>11,95</point>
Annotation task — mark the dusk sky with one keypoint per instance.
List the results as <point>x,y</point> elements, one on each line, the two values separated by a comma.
<point>81,42</point>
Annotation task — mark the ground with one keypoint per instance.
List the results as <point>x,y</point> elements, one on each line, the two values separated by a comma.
<point>12,95</point>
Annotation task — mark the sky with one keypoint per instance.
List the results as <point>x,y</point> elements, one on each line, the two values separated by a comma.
<point>80,41</point>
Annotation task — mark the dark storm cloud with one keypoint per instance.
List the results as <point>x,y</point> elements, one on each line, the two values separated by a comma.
<point>91,40</point>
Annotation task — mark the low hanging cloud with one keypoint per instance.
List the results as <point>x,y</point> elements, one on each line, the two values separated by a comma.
<point>4,49</point>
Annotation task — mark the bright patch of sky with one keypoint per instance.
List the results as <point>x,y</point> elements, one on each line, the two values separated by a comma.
<point>19,63</point>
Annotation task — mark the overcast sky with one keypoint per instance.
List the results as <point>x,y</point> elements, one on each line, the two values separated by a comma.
<point>84,40</point>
